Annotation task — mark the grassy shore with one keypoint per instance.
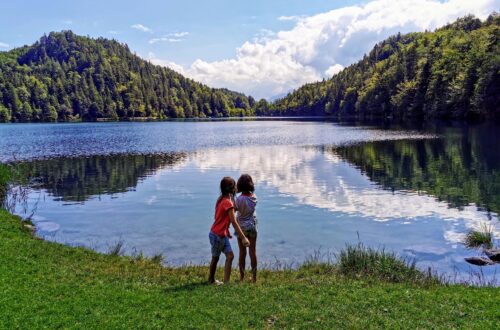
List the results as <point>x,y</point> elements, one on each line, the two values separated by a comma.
<point>49,285</point>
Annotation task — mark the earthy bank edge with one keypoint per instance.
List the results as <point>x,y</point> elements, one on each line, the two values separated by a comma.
<point>49,285</point>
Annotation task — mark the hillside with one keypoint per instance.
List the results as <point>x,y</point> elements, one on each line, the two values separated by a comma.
<point>68,77</point>
<point>453,72</point>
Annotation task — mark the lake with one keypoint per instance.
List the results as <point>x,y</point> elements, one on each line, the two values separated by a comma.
<point>412,190</point>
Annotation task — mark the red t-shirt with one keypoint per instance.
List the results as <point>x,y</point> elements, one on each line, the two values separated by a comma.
<point>222,220</point>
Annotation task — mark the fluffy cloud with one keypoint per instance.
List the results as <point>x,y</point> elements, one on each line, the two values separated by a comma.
<point>141,27</point>
<point>320,46</point>
<point>172,65</point>
<point>4,45</point>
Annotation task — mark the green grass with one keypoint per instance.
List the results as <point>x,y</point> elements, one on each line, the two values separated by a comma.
<point>48,285</point>
<point>361,262</point>
<point>5,176</point>
<point>480,238</point>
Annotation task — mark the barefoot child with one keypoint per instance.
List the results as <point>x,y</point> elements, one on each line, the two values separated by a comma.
<point>247,219</point>
<point>219,233</point>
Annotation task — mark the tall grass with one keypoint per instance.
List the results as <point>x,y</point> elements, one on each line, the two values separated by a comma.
<point>5,176</point>
<point>117,249</point>
<point>480,238</point>
<point>361,261</point>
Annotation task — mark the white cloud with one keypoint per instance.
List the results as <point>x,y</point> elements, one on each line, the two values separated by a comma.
<point>179,34</point>
<point>155,60</point>
<point>141,27</point>
<point>319,46</point>
<point>4,45</point>
<point>67,22</point>
<point>263,35</point>
<point>333,70</point>
<point>156,40</point>
<point>171,37</point>
<point>113,32</point>
<point>290,18</point>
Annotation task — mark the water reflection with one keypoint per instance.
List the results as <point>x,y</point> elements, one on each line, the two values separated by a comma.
<point>423,178</point>
<point>78,179</point>
<point>411,194</point>
<point>458,168</point>
<point>319,177</point>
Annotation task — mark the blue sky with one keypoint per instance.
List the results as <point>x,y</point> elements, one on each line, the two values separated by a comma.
<point>215,27</point>
<point>264,48</point>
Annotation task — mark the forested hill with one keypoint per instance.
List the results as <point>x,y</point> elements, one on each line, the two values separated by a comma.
<point>68,77</point>
<point>453,72</point>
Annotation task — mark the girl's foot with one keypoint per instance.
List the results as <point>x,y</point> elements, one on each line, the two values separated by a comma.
<point>254,275</point>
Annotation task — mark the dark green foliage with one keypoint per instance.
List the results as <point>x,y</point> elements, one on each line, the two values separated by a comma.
<point>453,72</point>
<point>68,77</point>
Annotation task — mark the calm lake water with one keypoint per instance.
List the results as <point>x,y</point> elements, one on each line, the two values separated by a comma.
<point>320,185</point>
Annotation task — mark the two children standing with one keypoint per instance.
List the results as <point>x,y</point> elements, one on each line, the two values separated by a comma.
<point>244,223</point>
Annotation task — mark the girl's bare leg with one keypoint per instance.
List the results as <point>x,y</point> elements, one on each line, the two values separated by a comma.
<point>241,260</point>
<point>253,257</point>
<point>227,267</point>
<point>213,268</point>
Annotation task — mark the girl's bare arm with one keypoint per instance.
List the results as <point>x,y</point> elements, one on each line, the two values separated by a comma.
<point>236,226</point>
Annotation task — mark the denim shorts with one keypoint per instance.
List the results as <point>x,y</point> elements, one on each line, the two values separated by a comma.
<point>219,244</point>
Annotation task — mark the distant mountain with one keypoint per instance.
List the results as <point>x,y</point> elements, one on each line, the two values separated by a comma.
<point>65,77</point>
<point>453,72</point>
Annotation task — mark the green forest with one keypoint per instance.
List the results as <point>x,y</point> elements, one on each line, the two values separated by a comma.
<point>66,77</point>
<point>453,72</point>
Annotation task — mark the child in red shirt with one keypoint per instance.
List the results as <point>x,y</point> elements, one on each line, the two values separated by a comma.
<point>219,233</point>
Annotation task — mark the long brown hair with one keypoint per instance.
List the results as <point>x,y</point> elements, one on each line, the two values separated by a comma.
<point>227,188</point>
<point>245,184</point>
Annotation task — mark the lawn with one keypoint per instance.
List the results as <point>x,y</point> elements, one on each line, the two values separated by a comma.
<point>49,285</point>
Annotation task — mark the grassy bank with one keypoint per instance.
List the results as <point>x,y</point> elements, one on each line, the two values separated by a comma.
<point>43,284</point>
